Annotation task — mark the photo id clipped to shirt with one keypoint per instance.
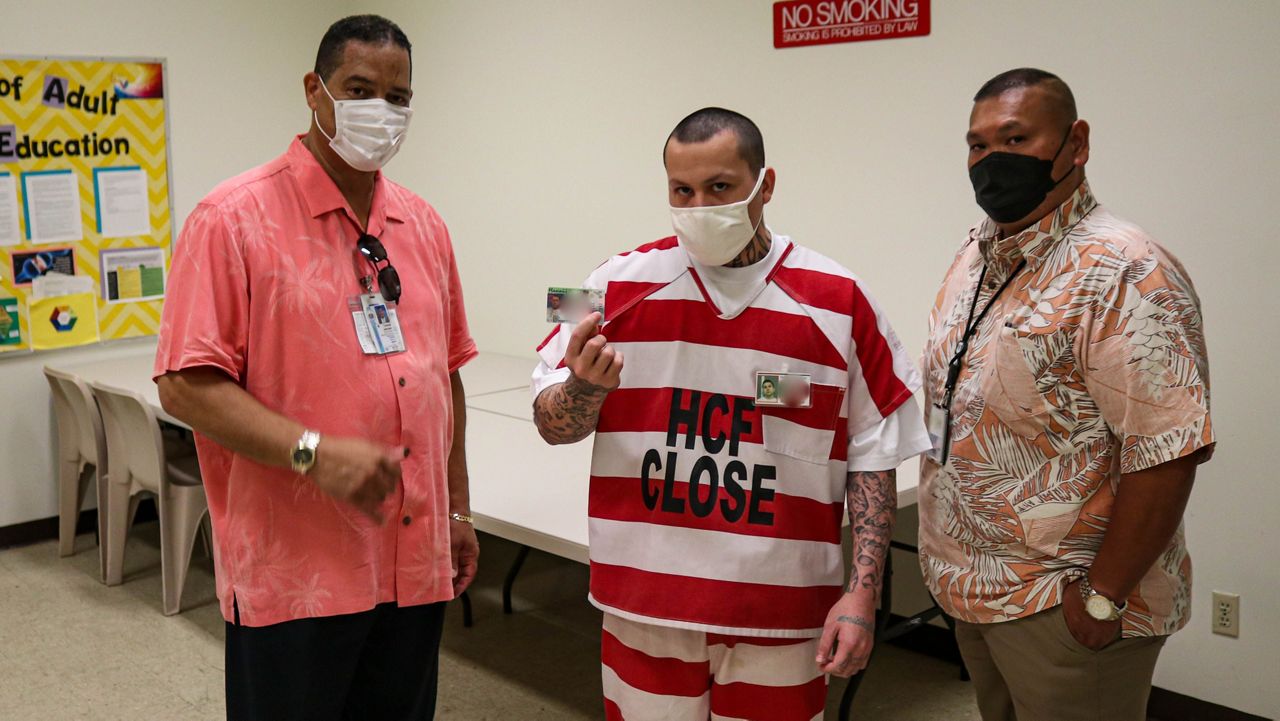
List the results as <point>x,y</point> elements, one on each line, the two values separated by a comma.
<point>939,426</point>
<point>377,327</point>
<point>780,388</point>
<point>571,305</point>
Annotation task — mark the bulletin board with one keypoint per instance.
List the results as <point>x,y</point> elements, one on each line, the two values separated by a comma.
<point>86,214</point>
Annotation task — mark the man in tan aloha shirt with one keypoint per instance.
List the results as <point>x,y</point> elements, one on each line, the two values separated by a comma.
<point>1052,533</point>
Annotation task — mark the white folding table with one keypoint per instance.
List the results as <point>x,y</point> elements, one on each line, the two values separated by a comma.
<point>522,489</point>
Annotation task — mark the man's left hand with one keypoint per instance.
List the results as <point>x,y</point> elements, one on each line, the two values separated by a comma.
<point>464,551</point>
<point>848,635</point>
<point>1087,630</point>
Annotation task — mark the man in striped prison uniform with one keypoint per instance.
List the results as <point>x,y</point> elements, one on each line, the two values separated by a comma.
<point>715,509</point>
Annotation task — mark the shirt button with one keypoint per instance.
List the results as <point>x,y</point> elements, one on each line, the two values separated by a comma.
<point>406,452</point>
<point>402,383</point>
<point>406,520</point>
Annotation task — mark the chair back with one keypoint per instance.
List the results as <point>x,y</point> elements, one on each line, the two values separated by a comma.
<point>134,442</point>
<point>79,422</point>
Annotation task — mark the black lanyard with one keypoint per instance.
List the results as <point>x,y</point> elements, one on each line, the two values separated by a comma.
<point>971,327</point>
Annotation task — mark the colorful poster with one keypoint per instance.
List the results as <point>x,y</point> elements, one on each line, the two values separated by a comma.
<point>10,332</point>
<point>63,321</point>
<point>84,173</point>
<point>132,274</point>
<point>29,265</point>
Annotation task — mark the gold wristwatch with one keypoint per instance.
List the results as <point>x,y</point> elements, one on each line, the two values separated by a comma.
<point>1099,606</point>
<point>304,452</point>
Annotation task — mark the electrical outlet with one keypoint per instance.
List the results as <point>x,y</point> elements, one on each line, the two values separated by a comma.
<point>1226,613</point>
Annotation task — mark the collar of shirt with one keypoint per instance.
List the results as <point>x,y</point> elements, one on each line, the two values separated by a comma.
<point>732,290</point>
<point>1034,243</point>
<point>323,196</point>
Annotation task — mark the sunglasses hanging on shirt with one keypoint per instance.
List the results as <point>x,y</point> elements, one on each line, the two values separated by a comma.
<point>388,279</point>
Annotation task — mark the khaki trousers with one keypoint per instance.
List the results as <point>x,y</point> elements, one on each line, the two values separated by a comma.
<point>1033,669</point>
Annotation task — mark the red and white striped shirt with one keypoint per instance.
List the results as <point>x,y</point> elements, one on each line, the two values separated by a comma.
<point>706,511</point>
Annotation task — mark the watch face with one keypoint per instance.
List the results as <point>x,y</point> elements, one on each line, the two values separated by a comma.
<point>1099,607</point>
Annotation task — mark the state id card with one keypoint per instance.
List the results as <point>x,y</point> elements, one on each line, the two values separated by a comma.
<point>571,305</point>
<point>376,324</point>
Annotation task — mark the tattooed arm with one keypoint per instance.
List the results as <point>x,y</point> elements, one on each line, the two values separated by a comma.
<point>849,633</point>
<point>567,412</point>
<point>873,507</point>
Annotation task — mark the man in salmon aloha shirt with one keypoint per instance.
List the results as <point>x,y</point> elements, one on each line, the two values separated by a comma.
<point>334,468</point>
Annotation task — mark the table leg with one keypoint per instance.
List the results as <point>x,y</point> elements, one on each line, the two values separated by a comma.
<point>467,619</point>
<point>951,624</point>
<point>511,578</point>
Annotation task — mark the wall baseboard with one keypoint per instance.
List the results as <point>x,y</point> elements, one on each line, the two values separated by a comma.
<point>1167,705</point>
<point>45,529</point>
<point>1164,705</point>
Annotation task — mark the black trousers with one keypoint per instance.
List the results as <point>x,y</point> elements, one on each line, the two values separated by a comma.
<point>376,665</point>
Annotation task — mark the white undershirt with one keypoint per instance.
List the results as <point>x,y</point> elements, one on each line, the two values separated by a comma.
<point>733,289</point>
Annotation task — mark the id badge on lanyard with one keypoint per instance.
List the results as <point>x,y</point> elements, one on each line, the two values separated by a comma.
<point>939,425</point>
<point>376,323</point>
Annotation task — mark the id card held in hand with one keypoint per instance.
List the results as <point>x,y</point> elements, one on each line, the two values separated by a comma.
<point>571,305</point>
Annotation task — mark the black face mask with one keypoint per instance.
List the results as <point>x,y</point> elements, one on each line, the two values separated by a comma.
<point>1009,186</point>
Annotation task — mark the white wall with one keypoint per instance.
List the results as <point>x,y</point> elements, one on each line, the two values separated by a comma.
<point>539,126</point>
<point>537,134</point>
<point>235,98</point>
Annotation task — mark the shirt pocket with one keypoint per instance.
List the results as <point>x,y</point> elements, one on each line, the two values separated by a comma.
<point>1011,391</point>
<point>808,434</point>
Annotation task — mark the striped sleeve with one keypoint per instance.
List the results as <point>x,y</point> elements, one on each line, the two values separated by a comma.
<point>881,373</point>
<point>882,376</point>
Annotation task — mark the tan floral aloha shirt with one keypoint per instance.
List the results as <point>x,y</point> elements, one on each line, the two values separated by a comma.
<point>1091,364</point>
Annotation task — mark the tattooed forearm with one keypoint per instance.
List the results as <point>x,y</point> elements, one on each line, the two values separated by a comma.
<point>567,412</point>
<point>873,506</point>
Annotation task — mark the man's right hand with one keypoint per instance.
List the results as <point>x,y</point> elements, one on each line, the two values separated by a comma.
<point>590,358</point>
<point>568,412</point>
<point>356,471</point>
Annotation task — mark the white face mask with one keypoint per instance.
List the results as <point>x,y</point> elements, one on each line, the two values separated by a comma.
<point>366,133</point>
<point>716,234</point>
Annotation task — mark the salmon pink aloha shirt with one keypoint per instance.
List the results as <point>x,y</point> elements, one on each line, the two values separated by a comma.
<point>1092,364</point>
<point>261,276</point>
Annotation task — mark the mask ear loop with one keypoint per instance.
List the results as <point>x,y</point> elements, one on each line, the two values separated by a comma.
<point>316,117</point>
<point>754,193</point>
<point>1062,145</point>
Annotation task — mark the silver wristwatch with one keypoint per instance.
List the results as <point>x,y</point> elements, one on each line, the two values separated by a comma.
<point>304,452</point>
<point>1099,606</point>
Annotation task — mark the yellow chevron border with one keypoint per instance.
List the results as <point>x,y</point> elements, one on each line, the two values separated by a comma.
<point>139,120</point>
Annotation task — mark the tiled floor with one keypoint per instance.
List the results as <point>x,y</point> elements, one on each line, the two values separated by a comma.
<point>71,648</point>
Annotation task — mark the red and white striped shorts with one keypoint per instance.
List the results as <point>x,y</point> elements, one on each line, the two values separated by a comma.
<point>655,673</point>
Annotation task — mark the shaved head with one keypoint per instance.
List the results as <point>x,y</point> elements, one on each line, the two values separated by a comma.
<point>702,125</point>
<point>1056,93</point>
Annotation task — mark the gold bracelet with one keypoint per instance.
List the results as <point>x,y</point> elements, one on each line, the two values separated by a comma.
<point>462,518</point>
